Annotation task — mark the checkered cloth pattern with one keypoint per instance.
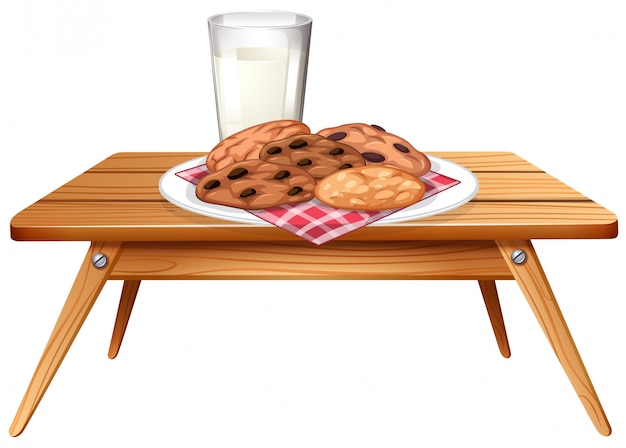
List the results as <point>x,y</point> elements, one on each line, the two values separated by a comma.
<point>317,222</point>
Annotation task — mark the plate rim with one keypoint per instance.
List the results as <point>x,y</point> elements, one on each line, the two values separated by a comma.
<point>468,183</point>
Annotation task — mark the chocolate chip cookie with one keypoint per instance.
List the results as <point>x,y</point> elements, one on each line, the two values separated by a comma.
<point>370,188</point>
<point>315,154</point>
<point>256,184</point>
<point>246,144</point>
<point>379,147</point>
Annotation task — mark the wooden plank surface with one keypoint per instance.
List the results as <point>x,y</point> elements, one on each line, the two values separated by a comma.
<point>485,161</point>
<point>118,199</point>
<point>144,161</point>
<point>134,185</point>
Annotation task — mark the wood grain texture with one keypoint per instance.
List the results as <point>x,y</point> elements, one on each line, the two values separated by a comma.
<point>485,161</point>
<point>162,221</point>
<point>127,300</point>
<point>404,260</point>
<point>534,284</point>
<point>492,303</point>
<point>148,161</point>
<point>118,199</point>
<point>506,186</point>
<point>81,298</point>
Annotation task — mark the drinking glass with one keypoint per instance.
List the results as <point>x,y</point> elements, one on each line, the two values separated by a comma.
<point>259,61</point>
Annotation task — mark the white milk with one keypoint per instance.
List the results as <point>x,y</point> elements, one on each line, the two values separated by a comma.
<point>251,85</point>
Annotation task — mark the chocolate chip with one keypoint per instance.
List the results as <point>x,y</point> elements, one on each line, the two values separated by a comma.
<point>237,173</point>
<point>400,147</point>
<point>336,151</point>
<point>344,166</point>
<point>304,162</point>
<point>212,184</point>
<point>297,144</point>
<point>375,126</point>
<point>282,174</point>
<point>247,193</point>
<point>275,150</point>
<point>373,157</point>
<point>337,136</point>
<point>294,191</point>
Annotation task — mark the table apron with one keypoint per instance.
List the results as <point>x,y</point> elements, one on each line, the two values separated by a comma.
<point>337,260</point>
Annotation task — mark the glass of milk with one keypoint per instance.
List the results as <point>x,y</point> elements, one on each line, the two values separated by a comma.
<point>259,67</point>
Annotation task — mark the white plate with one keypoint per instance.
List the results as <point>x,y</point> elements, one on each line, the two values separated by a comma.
<point>183,194</point>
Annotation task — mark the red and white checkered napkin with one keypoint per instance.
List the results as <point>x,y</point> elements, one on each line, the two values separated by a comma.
<point>319,223</point>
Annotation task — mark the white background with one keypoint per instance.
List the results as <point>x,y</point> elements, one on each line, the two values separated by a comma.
<point>312,364</point>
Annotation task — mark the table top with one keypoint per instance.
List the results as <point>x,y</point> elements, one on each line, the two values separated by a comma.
<point>119,200</point>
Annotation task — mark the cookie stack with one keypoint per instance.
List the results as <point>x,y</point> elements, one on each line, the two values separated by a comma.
<point>354,166</point>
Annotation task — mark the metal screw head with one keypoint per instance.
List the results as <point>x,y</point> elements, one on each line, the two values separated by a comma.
<point>518,256</point>
<point>99,260</point>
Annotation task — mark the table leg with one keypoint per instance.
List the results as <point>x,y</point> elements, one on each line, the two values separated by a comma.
<point>534,284</point>
<point>129,293</point>
<point>82,296</point>
<point>492,302</point>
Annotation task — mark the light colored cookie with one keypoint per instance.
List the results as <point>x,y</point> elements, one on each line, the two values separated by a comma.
<point>379,147</point>
<point>370,188</point>
<point>247,144</point>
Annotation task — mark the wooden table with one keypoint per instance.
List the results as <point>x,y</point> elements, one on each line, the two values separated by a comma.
<point>136,235</point>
